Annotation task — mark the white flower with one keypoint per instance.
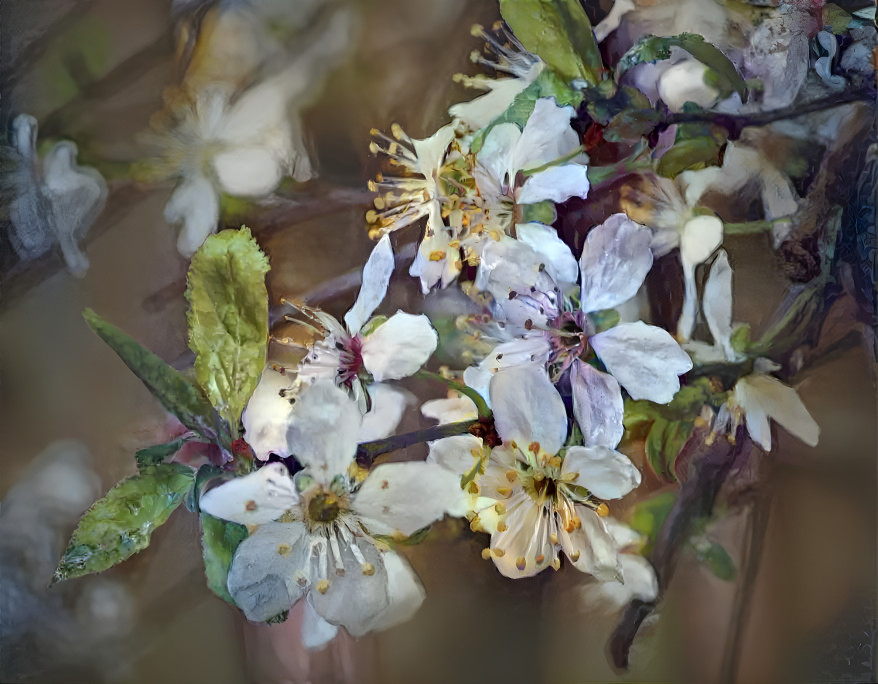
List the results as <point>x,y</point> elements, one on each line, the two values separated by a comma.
<point>56,200</point>
<point>397,348</point>
<point>550,498</point>
<point>316,535</point>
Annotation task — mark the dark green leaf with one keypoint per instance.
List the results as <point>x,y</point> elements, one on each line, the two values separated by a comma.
<point>655,449</point>
<point>716,558</point>
<point>119,525</point>
<point>205,474</point>
<point>540,212</point>
<point>228,319</point>
<point>176,394</point>
<point>219,541</point>
<point>694,153</point>
<point>154,455</point>
<point>559,33</point>
<point>631,125</point>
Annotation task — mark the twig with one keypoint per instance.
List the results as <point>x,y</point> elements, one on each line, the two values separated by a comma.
<point>368,451</point>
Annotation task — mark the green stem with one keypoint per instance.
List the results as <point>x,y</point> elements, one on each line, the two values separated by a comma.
<point>481,405</point>
<point>368,451</point>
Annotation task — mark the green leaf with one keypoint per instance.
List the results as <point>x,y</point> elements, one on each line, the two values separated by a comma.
<point>219,540</point>
<point>694,153</point>
<point>154,455</point>
<point>177,395</point>
<point>716,558</point>
<point>835,18</point>
<point>647,516</point>
<point>228,319</point>
<point>655,449</point>
<point>559,33</point>
<point>631,125</point>
<point>740,339</point>
<point>205,473</point>
<point>604,319</point>
<point>119,525</point>
<point>654,48</point>
<point>541,212</point>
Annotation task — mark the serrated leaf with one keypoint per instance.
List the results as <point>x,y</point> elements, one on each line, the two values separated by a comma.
<point>559,33</point>
<point>121,524</point>
<point>716,558</point>
<point>648,516</point>
<point>654,48</point>
<point>154,455</point>
<point>228,319</point>
<point>219,540</point>
<point>177,395</point>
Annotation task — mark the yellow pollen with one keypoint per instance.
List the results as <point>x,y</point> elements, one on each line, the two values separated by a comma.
<point>503,491</point>
<point>539,559</point>
<point>437,255</point>
<point>367,569</point>
<point>322,586</point>
<point>498,553</point>
<point>379,203</point>
<point>373,147</point>
<point>534,447</point>
<point>371,216</point>
<point>574,556</point>
<point>603,510</point>
<point>577,522</point>
<point>472,488</point>
<point>398,536</point>
<point>500,508</point>
<point>475,525</point>
<point>396,130</point>
<point>520,563</point>
<point>511,475</point>
<point>556,563</point>
<point>454,244</point>
<point>555,462</point>
<point>553,538</point>
<point>502,526</point>
<point>486,554</point>
<point>284,549</point>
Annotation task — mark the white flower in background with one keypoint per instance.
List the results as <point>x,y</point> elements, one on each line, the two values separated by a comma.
<point>508,166</point>
<point>317,534</point>
<point>756,397</point>
<point>56,200</point>
<point>394,349</point>
<point>551,498</point>
<point>510,57</point>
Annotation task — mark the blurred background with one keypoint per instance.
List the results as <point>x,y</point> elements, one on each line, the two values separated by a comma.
<point>71,414</point>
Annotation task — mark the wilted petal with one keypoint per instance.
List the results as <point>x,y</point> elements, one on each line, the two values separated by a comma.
<point>644,359</point>
<point>376,277</point>
<point>717,304</point>
<point>639,582</point>
<point>762,395</point>
<point>615,259</point>
<point>604,472</point>
<point>269,572</point>
<point>399,346</point>
<point>699,238</point>
<point>316,632</point>
<point>194,204</point>
<point>590,548</point>
<point>323,429</point>
<point>525,539</point>
<point>597,405</point>
<point>267,416</point>
<point>544,240</point>
<point>528,408</point>
<point>557,183</point>
<point>409,496</point>
<point>254,499</point>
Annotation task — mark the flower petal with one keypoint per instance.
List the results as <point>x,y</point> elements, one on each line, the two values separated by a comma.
<point>615,259</point>
<point>781,403</point>
<point>405,593</point>
<point>556,183</point>
<point>269,573</point>
<point>644,359</point>
<point>409,496</point>
<point>526,538</point>
<point>376,277</point>
<point>717,304</point>
<point>544,240</point>
<point>323,429</point>
<point>195,204</point>
<point>528,408</point>
<point>399,346</point>
<point>431,151</point>
<point>531,351</point>
<point>450,409</point>
<point>316,632</point>
<point>267,416</point>
<point>388,406</point>
<point>698,240</point>
<point>546,136</point>
<point>597,405</point>
<point>247,171</point>
<point>590,547</point>
<point>254,499</point>
<point>604,472</point>
<point>455,453</point>
<point>492,170</point>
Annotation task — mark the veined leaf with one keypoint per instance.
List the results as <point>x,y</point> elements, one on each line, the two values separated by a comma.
<point>121,524</point>
<point>654,48</point>
<point>154,455</point>
<point>219,541</point>
<point>559,33</point>
<point>228,319</point>
<point>177,395</point>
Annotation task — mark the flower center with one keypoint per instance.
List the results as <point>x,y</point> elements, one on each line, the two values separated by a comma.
<point>324,507</point>
<point>350,360</point>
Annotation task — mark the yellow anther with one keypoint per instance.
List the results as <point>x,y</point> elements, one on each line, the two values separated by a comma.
<point>500,508</point>
<point>373,147</point>
<point>396,131</point>
<point>602,510</point>
<point>379,203</point>
<point>520,563</point>
<point>539,559</point>
<point>437,255</point>
<point>574,556</point>
<point>472,488</point>
<point>504,491</point>
<point>475,525</point>
<point>556,563</point>
<point>476,30</point>
<point>398,536</point>
<point>371,216</point>
<point>367,569</point>
<point>577,522</point>
<point>486,554</point>
<point>322,586</point>
<point>553,538</point>
<point>502,526</point>
<point>454,244</point>
<point>498,552</point>
<point>555,462</point>
<point>284,549</point>
<point>372,185</point>
<point>511,475</point>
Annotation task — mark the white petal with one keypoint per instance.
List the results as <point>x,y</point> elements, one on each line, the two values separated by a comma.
<point>546,136</point>
<point>604,472</point>
<point>323,430</point>
<point>700,237</point>
<point>597,405</point>
<point>376,277</point>
<point>531,351</point>
<point>450,410</point>
<point>644,359</point>
<point>623,536</point>
<point>717,304</point>
<point>455,454</point>
<point>431,151</point>
<point>388,406</point>
<point>544,240</point>
<point>254,499</point>
<point>316,632</point>
<point>405,593</point>
<point>249,171</point>
<point>409,496</point>
<point>265,572</point>
<point>267,416</point>
<point>528,408</point>
<point>615,259</point>
<point>639,582</point>
<point>557,183</point>
<point>781,403</point>
<point>481,111</point>
<point>525,538</point>
<point>611,22</point>
<point>684,82</point>
<point>492,171</point>
<point>399,346</point>
<point>591,546</point>
<point>195,204</point>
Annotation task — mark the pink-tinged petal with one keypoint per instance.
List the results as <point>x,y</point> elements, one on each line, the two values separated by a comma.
<point>597,405</point>
<point>254,499</point>
<point>615,259</point>
<point>376,277</point>
<point>527,408</point>
<point>399,346</point>
<point>604,472</point>
<point>644,359</point>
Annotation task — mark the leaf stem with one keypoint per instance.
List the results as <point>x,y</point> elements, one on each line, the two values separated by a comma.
<point>478,400</point>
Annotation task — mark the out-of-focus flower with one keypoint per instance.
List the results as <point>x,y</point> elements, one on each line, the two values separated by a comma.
<point>55,200</point>
<point>317,534</point>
